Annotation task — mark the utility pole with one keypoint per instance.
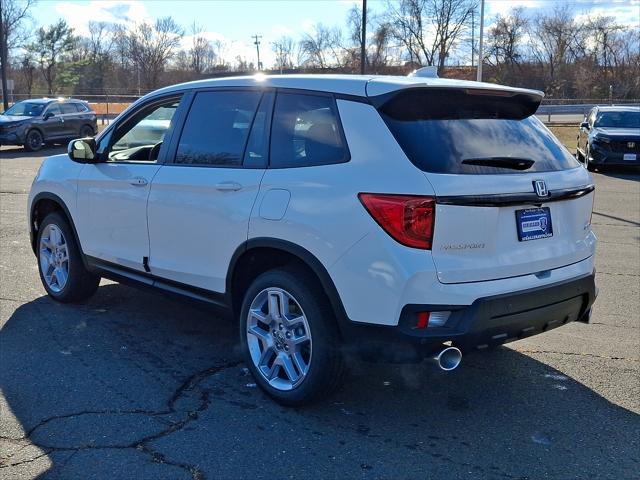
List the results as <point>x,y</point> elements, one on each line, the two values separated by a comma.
<point>3,59</point>
<point>363,43</point>
<point>480,52</point>
<point>256,42</point>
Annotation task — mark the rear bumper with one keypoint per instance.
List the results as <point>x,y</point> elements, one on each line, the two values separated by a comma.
<point>488,322</point>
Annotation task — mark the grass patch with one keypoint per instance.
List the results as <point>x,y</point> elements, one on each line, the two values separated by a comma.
<point>567,134</point>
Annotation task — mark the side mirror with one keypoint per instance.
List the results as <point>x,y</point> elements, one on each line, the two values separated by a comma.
<point>82,150</point>
<point>584,125</point>
<point>47,116</point>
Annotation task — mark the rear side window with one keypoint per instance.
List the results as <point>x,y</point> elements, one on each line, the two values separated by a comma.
<point>306,132</point>
<point>216,129</point>
<point>81,107</point>
<point>68,108</point>
<point>473,132</point>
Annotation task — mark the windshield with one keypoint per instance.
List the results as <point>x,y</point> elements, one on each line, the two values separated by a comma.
<point>26,109</point>
<point>453,132</point>
<point>618,119</point>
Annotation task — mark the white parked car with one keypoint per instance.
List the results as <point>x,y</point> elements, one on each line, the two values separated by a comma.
<point>400,217</point>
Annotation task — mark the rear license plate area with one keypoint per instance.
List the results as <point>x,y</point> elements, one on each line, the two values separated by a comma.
<point>534,224</point>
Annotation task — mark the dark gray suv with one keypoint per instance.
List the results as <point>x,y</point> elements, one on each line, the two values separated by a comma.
<point>31,123</point>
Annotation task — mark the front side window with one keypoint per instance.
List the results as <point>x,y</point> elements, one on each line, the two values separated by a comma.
<point>141,136</point>
<point>306,132</point>
<point>54,109</point>
<point>217,127</point>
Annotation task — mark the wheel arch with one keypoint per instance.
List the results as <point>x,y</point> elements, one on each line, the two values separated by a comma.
<point>87,124</point>
<point>34,127</point>
<point>43,204</point>
<point>257,255</point>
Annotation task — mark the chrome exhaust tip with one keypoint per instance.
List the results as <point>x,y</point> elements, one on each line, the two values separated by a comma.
<point>448,358</point>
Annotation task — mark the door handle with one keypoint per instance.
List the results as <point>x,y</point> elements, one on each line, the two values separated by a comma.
<point>138,181</point>
<point>228,186</point>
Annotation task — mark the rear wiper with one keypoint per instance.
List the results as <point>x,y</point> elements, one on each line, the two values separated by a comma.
<point>501,162</point>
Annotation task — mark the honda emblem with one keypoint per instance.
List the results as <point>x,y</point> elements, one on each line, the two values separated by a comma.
<point>540,188</point>
<point>631,144</point>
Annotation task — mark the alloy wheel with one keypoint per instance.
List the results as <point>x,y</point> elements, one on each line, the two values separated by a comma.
<point>279,339</point>
<point>34,140</point>
<point>54,258</point>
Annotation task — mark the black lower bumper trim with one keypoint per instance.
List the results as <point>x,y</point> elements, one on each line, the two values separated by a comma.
<point>488,322</point>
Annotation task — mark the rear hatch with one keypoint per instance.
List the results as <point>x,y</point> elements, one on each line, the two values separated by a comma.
<point>511,200</point>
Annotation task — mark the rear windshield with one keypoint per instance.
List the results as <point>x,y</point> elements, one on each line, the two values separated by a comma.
<point>473,132</point>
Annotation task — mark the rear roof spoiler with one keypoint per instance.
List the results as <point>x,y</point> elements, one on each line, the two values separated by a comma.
<point>460,102</point>
<point>383,85</point>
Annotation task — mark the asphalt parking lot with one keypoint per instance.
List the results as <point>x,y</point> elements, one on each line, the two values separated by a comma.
<point>133,385</point>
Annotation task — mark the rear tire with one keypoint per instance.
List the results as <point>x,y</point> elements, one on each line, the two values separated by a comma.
<point>289,337</point>
<point>33,141</point>
<point>60,264</point>
<point>86,131</point>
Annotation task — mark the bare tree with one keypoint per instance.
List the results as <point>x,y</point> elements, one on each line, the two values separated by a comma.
<point>429,29</point>
<point>504,44</point>
<point>27,72</point>
<point>377,48</point>
<point>51,46</point>
<point>12,15</point>
<point>379,52</point>
<point>201,53</point>
<point>220,51</point>
<point>150,46</point>
<point>557,40</point>
<point>283,48</point>
<point>323,47</point>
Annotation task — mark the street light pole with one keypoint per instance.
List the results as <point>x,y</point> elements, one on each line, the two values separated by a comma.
<point>363,43</point>
<point>480,52</point>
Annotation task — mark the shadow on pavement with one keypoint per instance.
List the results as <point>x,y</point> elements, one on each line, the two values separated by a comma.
<point>131,385</point>
<point>623,173</point>
<point>19,152</point>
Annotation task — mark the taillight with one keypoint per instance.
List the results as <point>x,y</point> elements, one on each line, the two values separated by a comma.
<point>408,219</point>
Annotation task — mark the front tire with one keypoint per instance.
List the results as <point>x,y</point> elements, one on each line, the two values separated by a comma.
<point>62,271</point>
<point>33,141</point>
<point>289,337</point>
<point>587,162</point>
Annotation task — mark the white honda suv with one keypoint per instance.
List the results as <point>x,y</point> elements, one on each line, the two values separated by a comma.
<point>402,218</point>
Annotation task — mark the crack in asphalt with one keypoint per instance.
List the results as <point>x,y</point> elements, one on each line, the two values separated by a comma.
<point>618,274</point>
<point>142,444</point>
<point>17,300</point>
<point>580,354</point>
<point>30,460</point>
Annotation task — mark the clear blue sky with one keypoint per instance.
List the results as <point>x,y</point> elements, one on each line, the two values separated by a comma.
<point>235,21</point>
